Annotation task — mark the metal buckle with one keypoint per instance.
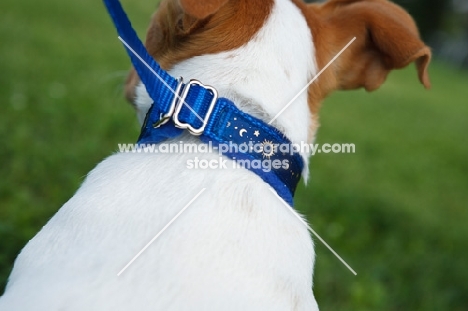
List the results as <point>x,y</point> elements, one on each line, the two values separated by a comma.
<point>180,101</point>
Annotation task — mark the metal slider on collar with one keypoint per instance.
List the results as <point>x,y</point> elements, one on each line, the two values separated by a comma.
<point>179,100</point>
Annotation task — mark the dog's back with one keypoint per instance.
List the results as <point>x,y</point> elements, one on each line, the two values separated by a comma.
<point>235,248</point>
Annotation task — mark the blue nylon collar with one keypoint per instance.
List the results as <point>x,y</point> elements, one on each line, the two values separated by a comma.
<point>198,109</point>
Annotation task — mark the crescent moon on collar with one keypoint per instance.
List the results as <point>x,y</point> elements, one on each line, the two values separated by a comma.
<point>241,132</point>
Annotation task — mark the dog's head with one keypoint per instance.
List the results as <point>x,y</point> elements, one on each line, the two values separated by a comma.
<point>294,41</point>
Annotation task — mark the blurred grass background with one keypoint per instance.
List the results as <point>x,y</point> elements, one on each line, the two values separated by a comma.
<point>396,210</point>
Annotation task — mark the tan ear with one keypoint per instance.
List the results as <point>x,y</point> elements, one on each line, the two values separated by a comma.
<point>201,8</point>
<point>172,21</point>
<point>386,38</point>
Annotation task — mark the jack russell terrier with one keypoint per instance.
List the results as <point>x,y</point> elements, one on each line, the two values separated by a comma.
<point>236,247</point>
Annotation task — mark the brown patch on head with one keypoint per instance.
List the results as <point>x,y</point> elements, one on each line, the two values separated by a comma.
<point>201,9</point>
<point>386,38</point>
<point>181,29</point>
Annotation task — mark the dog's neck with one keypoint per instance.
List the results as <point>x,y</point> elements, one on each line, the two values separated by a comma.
<point>260,54</point>
<point>262,76</point>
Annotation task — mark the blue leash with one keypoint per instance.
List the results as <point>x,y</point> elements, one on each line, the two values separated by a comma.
<point>196,107</point>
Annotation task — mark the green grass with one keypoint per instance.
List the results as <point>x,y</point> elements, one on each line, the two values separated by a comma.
<point>396,210</point>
